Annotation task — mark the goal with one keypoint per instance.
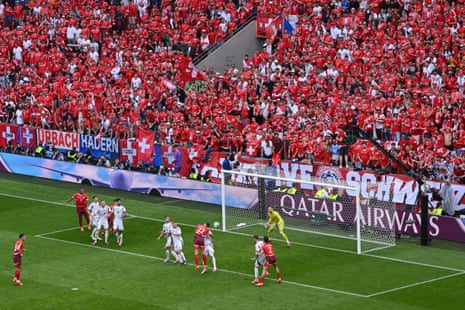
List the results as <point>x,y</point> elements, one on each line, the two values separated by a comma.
<point>317,212</point>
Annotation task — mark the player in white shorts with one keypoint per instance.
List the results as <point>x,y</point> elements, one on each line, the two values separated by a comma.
<point>259,259</point>
<point>209,249</point>
<point>103,212</point>
<point>92,209</point>
<point>119,212</point>
<point>178,242</point>
<point>165,232</point>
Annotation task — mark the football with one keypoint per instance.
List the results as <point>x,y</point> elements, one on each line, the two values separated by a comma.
<point>216,224</point>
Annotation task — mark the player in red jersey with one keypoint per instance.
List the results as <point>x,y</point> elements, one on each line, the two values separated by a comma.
<point>268,250</point>
<point>81,199</point>
<point>201,230</point>
<point>17,258</point>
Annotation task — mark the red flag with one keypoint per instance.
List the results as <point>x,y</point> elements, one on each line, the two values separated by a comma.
<point>252,148</point>
<point>28,136</point>
<point>8,133</point>
<point>272,28</point>
<point>145,139</point>
<point>189,71</point>
<point>128,151</point>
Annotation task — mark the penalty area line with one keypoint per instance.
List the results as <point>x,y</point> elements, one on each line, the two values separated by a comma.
<point>416,284</point>
<point>45,236</point>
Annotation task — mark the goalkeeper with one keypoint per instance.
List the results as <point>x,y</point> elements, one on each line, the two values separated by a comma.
<point>276,221</point>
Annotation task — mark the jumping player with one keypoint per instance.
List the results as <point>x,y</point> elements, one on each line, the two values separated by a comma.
<point>276,221</point>
<point>270,258</point>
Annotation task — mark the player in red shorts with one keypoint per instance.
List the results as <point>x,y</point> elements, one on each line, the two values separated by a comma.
<point>17,258</point>
<point>81,199</point>
<point>201,230</point>
<point>270,257</point>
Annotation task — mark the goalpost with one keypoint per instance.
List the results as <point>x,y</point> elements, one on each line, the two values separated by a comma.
<point>341,219</point>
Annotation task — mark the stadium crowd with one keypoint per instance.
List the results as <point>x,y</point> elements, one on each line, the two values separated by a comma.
<point>392,68</point>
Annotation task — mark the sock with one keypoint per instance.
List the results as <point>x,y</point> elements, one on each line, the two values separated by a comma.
<point>279,275</point>
<point>167,252</point>
<point>183,257</point>
<point>176,256</point>
<point>106,235</point>
<point>93,233</point>
<point>121,237</point>
<point>196,259</point>
<point>214,262</point>
<point>285,236</point>
<point>80,221</point>
<point>17,274</point>
<point>204,259</point>
<point>261,280</point>
<point>255,271</point>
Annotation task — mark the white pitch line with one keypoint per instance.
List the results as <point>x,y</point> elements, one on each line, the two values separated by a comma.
<point>414,263</point>
<point>416,284</point>
<point>43,236</point>
<point>171,201</point>
<point>459,271</point>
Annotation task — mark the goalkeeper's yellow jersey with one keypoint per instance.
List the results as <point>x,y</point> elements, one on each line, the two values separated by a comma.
<point>274,217</point>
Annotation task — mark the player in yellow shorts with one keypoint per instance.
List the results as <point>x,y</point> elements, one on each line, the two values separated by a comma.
<point>275,220</point>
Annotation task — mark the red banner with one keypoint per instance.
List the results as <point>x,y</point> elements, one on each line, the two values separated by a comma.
<point>128,151</point>
<point>28,136</point>
<point>145,139</point>
<point>60,139</point>
<point>8,133</point>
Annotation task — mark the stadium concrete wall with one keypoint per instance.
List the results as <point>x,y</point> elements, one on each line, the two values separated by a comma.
<point>233,51</point>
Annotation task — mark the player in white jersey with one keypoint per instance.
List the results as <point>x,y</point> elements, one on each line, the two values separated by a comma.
<point>165,232</point>
<point>119,212</point>
<point>209,249</point>
<point>92,209</point>
<point>103,212</point>
<point>259,259</point>
<point>178,242</point>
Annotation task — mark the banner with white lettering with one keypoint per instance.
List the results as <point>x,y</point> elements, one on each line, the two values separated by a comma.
<point>27,137</point>
<point>99,146</point>
<point>60,139</point>
<point>8,134</point>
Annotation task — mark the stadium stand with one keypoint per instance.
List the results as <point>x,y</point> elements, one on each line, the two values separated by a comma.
<point>393,68</point>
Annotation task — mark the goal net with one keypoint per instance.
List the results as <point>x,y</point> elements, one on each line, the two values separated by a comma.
<point>316,212</point>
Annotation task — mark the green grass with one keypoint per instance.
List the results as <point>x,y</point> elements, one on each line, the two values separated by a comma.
<point>62,270</point>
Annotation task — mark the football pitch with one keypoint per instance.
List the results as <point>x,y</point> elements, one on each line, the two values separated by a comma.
<point>62,270</point>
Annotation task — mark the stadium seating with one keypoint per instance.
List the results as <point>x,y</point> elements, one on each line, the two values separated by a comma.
<point>392,69</point>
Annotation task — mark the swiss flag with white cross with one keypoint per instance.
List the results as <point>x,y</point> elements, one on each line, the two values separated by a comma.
<point>145,139</point>
<point>8,133</point>
<point>128,151</point>
<point>27,136</point>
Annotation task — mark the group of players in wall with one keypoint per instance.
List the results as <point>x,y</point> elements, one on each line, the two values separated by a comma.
<point>106,219</point>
